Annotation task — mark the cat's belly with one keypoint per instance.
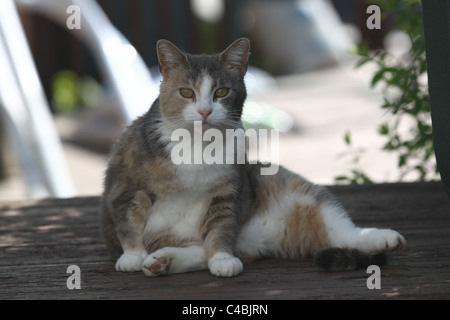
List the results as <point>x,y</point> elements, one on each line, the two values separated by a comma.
<point>180,213</point>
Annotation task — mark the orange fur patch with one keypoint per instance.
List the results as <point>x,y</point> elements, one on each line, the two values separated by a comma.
<point>305,232</point>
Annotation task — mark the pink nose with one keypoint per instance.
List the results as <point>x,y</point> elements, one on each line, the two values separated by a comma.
<point>205,113</point>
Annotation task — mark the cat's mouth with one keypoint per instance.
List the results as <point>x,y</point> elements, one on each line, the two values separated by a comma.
<point>203,125</point>
<point>206,125</point>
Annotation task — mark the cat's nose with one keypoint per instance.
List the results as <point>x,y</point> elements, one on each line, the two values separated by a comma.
<point>205,113</point>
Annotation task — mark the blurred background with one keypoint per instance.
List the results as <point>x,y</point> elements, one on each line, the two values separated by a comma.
<point>303,81</point>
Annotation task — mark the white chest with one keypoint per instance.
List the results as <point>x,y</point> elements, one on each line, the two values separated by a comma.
<point>180,213</point>
<point>203,177</point>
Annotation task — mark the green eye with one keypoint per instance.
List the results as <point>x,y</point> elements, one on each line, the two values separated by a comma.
<point>187,93</point>
<point>221,92</point>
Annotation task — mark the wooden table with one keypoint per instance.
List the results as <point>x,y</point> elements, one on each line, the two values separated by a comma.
<point>39,240</point>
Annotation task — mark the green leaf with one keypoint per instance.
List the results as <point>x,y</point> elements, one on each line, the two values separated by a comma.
<point>376,78</point>
<point>414,150</point>
<point>366,179</point>
<point>347,138</point>
<point>402,161</point>
<point>363,61</point>
<point>383,129</point>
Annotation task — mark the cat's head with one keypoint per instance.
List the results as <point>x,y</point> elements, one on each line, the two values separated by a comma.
<point>206,88</point>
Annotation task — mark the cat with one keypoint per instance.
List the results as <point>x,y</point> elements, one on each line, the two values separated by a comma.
<point>165,218</point>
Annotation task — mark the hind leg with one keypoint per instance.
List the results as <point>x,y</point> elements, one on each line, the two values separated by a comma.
<point>372,240</point>
<point>343,233</point>
<point>171,260</point>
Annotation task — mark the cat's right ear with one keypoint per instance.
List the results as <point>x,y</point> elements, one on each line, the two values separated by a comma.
<point>169,56</point>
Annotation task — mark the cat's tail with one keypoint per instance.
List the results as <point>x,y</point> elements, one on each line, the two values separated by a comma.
<point>343,259</point>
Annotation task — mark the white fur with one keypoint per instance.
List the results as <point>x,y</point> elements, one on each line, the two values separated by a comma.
<point>260,236</point>
<point>343,233</point>
<point>178,260</point>
<point>205,96</point>
<point>223,264</point>
<point>271,224</point>
<point>202,177</point>
<point>131,261</point>
<point>341,230</point>
<point>373,240</point>
<point>180,212</point>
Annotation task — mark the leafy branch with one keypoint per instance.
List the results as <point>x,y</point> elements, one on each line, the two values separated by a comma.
<point>403,80</point>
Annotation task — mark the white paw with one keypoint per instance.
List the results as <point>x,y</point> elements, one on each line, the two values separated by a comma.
<point>157,263</point>
<point>130,261</point>
<point>380,240</point>
<point>223,264</point>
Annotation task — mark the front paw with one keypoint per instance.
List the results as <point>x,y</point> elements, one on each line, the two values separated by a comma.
<point>223,264</point>
<point>130,261</point>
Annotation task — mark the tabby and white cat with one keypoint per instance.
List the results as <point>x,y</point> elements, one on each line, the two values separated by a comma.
<point>163,218</point>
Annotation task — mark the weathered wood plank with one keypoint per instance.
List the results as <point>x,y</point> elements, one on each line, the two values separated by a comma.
<point>40,239</point>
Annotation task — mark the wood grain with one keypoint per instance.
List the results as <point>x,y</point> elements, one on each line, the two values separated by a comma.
<point>40,239</point>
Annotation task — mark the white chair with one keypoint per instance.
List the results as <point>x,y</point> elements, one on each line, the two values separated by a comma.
<point>22,99</point>
<point>25,107</point>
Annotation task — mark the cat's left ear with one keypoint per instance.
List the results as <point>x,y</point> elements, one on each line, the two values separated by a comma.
<point>236,56</point>
<point>169,56</point>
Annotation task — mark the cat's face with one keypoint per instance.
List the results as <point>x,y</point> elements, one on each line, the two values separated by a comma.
<point>206,88</point>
